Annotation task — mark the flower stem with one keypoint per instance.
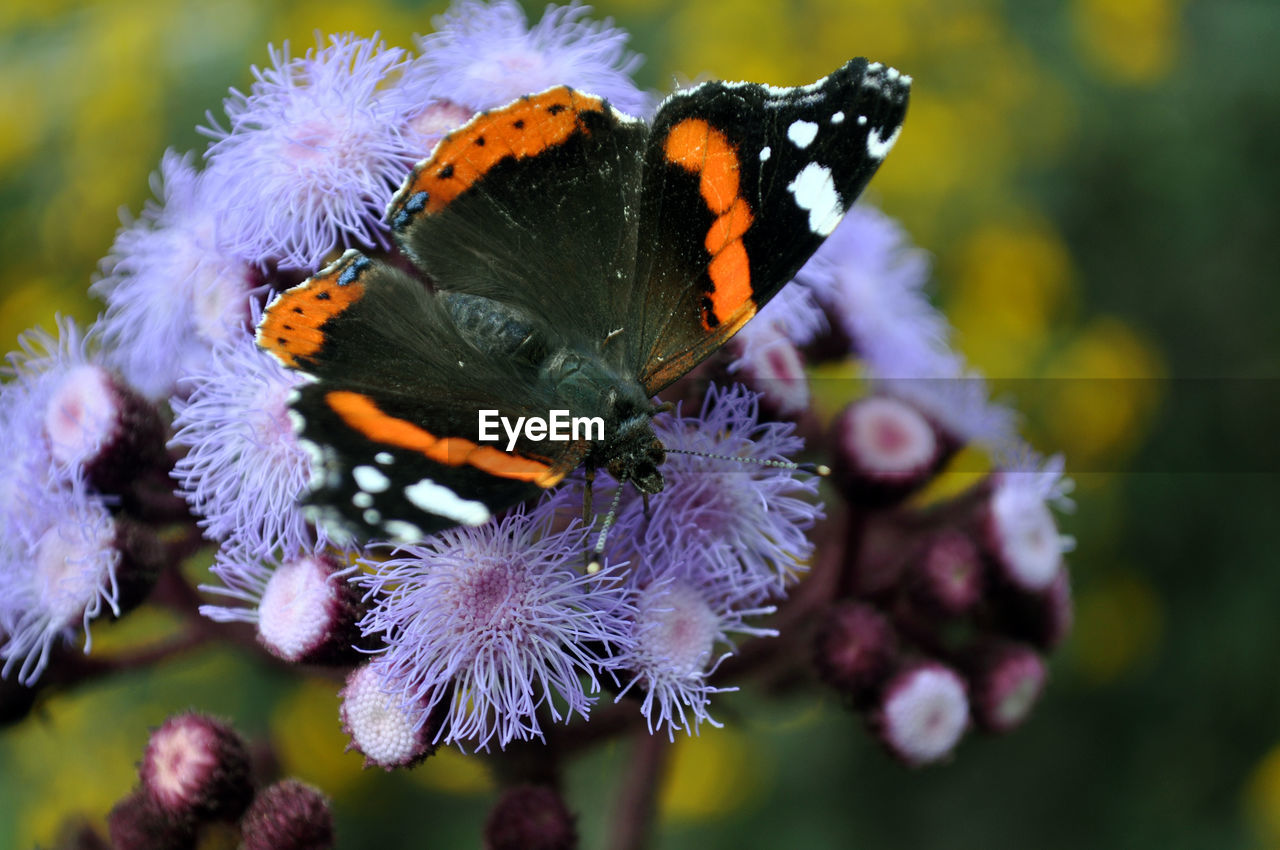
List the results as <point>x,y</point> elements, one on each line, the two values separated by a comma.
<point>637,802</point>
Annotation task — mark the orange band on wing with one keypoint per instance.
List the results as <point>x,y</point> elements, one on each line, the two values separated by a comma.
<point>361,413</point>
<point>696,146</point>
<point>291,326</point>
<point>524,128</point>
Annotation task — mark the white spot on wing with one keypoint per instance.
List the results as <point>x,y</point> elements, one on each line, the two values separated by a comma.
<point>384,458</point>
<point>362,500</point>
<point>334,524</point>
<point>815,192</point>
<point>862,120</point>
<point>837,118</point>
<point>802,133</point>
<point>370,479</point>
<point>765,153</point>
<point>316,463</point>
<point>440,500</point>
<point>878,147</point>
<point>402,532</point>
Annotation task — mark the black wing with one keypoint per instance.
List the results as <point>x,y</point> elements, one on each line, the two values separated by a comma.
<point>390,414</point>
<point>533,205</point>
<point>743,182</point>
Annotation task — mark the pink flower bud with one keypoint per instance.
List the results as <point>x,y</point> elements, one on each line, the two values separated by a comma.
<point>196,768</point>
<point>885,449</point>
<point>288,816</point>
<point>530,817</point>
<point>854,648</point>
<point>380,725</point>
<point>97,422</point>
<point>923,712</point>
<point>948,575</point>
<point>139,823</point>
<point>308,613</point>
<point>1006,681</point>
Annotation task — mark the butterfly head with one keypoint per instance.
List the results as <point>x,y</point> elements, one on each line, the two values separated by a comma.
<point>636,454</point>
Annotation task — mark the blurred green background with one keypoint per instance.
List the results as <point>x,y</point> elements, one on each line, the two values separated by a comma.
<point>1099,185</point>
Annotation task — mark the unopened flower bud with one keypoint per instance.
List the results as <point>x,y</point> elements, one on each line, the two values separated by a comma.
<point>308,613</point>
<point>948,574</point>
<point>381,727</point>
<point>854,648</point>
<point>139,823</point>
<point>97,422</point>
<point>288,816</point>
<point>922,714</point>
<point>773,366</point>
<point>197,768</point>
<point>885,449</point>
<point>1021,535</point>
<point>1005,681</point>
<point>530,817</point>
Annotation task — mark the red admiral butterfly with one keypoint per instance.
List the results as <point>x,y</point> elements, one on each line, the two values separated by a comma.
<point>578,261</point>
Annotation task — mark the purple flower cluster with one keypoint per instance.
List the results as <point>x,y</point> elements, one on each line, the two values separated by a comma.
<point>501,626</point>
<point>63,414</point>
<point>483,636</point>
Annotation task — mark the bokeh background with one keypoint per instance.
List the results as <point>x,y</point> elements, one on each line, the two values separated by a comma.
<point>1099,186</point>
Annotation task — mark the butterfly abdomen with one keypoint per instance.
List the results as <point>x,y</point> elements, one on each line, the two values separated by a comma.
<point>494,328</point>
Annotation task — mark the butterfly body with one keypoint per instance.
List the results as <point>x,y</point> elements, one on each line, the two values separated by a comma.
<point>574,262</point>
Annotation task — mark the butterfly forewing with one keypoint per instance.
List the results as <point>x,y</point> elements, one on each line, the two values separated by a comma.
<point>743,182</point>
<point>533,205</point>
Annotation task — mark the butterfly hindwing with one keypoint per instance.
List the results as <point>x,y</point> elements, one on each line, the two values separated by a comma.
<point>743,182</point>
<point>393,467</point>
<point>390,410</point>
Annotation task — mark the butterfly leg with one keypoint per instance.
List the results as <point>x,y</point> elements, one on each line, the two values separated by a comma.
<point>587,500</point>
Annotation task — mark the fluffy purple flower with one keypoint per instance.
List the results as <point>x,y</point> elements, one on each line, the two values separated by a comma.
<point>484,55</point>
<point>93,425</point>
<point>311,155</point>
<point>496,621</point>
<point>1019,529</point>
<point>794,313</point>
<point>682,616</point>
<point>747,519</point>
<point>244,469</point>
<point>28,406</point>
<point>871,280</point>
<point>59,574</point>
<point>171,292</point>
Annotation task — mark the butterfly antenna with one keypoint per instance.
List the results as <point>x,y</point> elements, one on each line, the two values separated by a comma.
<point>593,566</point>
<point>819,469</point>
